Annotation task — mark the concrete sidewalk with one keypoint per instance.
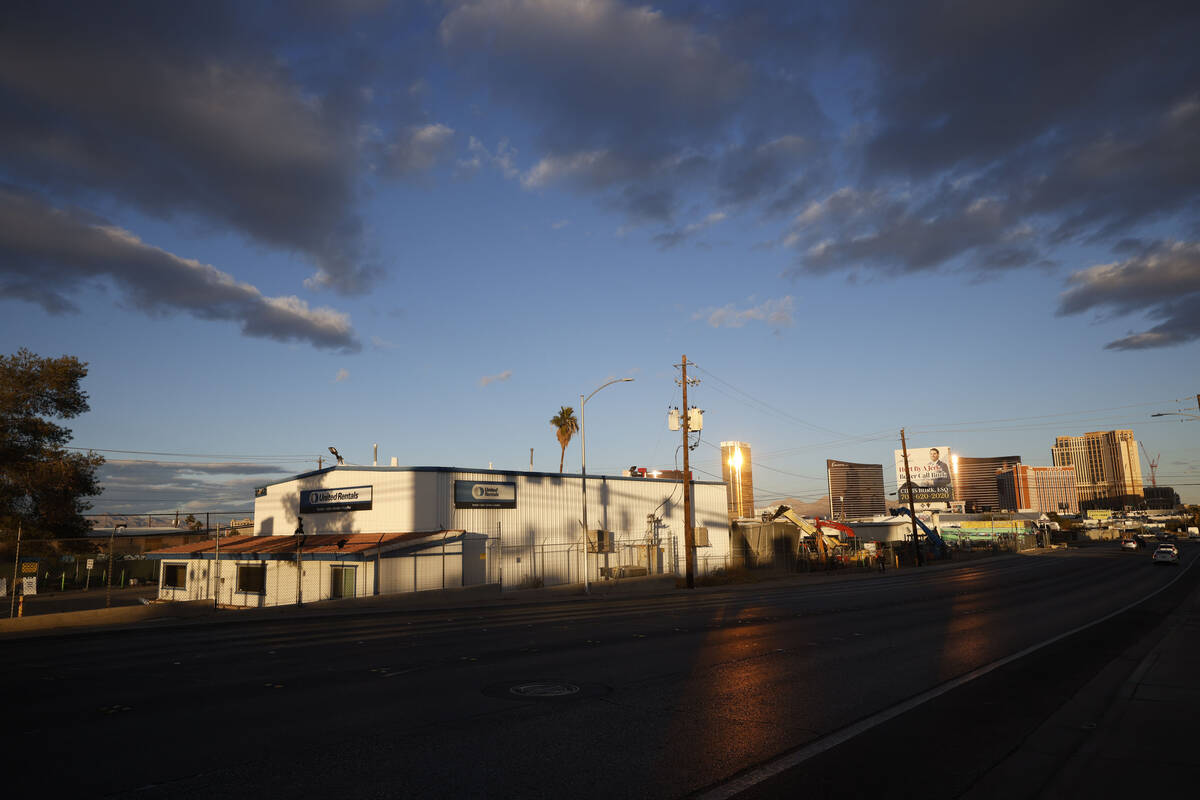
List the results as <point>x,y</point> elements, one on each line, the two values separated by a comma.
<point>1131,731</point>
<point>1147,744</point>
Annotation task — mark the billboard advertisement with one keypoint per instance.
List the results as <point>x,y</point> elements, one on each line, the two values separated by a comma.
<point>931,480</point>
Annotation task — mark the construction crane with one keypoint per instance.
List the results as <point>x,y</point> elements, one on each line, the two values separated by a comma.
<point>1153,462</point>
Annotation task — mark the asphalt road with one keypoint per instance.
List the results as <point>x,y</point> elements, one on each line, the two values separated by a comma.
<point>675,693</point>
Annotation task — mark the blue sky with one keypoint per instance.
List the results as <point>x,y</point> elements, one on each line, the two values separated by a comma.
<point>270,229</point>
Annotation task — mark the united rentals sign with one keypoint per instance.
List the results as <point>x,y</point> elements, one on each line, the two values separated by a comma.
<point>350,498</point>
<point>485,494</point>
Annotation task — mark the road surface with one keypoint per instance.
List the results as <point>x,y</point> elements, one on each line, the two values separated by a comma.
<point>664,696</point>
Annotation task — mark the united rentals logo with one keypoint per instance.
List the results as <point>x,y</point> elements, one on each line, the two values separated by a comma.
<point>348,498</point>
<point>485,494</point>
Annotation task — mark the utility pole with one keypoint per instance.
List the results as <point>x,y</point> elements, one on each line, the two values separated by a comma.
<point>299,564</point>
<point>12,605</point>
<point>689,534</point>
<point>912,509</point>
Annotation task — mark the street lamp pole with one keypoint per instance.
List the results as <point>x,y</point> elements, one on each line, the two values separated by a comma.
<point>583,470</point>
<point>108,589</point>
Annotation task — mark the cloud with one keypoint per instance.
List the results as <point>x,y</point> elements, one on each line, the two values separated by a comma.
<point>669,239</point>
<point>45,253</point>
<point>503,158</point>
<point>379,343</point>
<point>187,113</point>
<point>637,106</point>
<point>168,485</point>
<point>777,313</point>
<point>1162,282</point>
<point>417,148</point>
<point>560,224</point>
<point>488,379</point>
<point>595,71</point>
<point>342,374</point>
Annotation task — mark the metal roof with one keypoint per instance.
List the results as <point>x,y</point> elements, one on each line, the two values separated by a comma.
<point>275,546</point>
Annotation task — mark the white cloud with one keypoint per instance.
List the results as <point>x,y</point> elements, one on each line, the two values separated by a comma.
<point>562,223</point>
<point>417,148</point>
<point>342,374</point>
<point>777,313</point>
<point>503,376</point>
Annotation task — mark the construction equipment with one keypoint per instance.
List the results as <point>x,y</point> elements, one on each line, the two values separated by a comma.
<point>1153,464</point>
<point>823,542</point>
<point>935,542</point>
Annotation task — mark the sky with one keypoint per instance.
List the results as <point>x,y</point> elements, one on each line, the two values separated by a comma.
<point>271,228</point>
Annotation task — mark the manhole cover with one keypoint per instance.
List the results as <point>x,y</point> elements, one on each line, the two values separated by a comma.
<point>544,689</point>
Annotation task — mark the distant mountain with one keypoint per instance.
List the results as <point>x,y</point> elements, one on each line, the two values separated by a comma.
<point>817,508</point>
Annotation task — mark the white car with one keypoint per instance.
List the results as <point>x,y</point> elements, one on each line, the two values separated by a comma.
<point>1166,554</point>
<point>1129,544</point>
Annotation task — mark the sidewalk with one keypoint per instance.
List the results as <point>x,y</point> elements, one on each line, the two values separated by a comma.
<point>1146,744</point>
<point>1130,731</point>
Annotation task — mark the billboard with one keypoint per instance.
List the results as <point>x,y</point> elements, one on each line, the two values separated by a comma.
<point>931,480</point>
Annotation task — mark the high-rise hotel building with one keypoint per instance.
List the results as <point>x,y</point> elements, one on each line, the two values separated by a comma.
<point>855,490</point>
<point>975,480</point>
<point>1108,472</point>
<point>1025,488</point>
<point>739,478</point>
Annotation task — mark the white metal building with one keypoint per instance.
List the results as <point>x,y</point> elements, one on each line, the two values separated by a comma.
<point>262,571</point>
<point>532,521</point>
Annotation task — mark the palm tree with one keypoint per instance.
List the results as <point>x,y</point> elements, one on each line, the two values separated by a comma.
<point>565,426</point>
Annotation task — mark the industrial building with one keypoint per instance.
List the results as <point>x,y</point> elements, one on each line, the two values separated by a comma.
<point>975,481</point>
<point>855,490</point>
<point>1108,472</point>
<point>412,528</point>
<point>1161,498</point>
<point>1028,489</point>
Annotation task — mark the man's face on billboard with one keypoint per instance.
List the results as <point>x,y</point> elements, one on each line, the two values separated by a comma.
<point>933,454</point>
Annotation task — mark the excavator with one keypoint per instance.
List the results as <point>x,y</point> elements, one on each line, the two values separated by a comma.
<point>823,542</point>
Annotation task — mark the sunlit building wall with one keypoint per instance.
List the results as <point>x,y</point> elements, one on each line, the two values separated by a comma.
<point>1038,489</point>
<point>1108,471</point>
<point>739,478</point>
<point>855,490</point>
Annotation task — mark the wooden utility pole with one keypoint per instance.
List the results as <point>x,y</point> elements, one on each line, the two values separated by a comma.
<point>912,510</point>
<point>689,534</point>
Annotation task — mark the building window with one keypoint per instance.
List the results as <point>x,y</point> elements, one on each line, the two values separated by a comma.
<point>174,576</point>
<point>252,579</point>
<point>343,582</point>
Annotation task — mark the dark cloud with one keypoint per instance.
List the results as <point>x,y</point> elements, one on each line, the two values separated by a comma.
<point>963,84</point>
<point>597,73</point>
<point>1162,282</point>
<point>991,134</point>
<point>166,485</point>
<point>637,104</point>
<point>46,253</point>
<point>183,109</point>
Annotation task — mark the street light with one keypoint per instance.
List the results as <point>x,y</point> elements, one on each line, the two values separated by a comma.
<point>583,447</point>
<point>111,540</point>
<point>1176,414</point>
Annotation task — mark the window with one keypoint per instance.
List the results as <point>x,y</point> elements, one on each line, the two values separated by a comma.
<point>252,579</point>
<point>343,582</point>
<point>174,576</point>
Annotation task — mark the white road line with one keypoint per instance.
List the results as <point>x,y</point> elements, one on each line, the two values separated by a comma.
<point>741,783</point>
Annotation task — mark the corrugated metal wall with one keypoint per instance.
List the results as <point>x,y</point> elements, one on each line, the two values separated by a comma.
<point>537,543</point>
